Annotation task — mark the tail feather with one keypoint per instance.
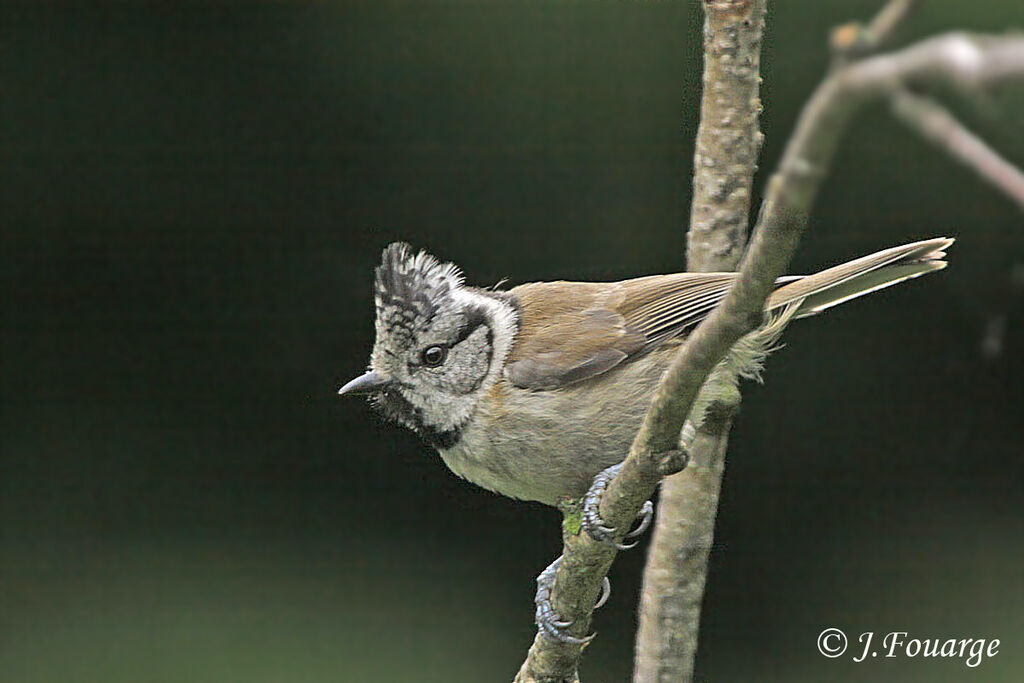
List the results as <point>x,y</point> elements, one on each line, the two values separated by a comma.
<point>800,296</point>
<point>861,276</point>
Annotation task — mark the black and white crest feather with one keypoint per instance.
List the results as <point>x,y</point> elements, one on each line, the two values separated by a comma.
<point>417,282</point>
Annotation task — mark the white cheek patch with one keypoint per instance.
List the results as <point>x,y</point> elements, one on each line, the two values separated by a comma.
<point>502,322</point>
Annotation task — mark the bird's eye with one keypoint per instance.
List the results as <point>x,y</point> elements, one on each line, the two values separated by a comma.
<point>434,355</point>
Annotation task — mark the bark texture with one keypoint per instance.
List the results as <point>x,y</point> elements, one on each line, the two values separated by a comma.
<point>676,569</point>
<point>728,136</point>
<point>725,160</point>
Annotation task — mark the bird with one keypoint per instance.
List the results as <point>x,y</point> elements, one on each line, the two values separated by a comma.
<point>536,392</point>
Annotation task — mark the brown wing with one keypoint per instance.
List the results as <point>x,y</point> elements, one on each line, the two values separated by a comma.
<point>663,306</point>
<point>571,331</point>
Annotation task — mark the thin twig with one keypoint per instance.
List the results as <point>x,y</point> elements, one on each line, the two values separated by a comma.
<point>888,20</point>
<point>937,125</point>
<point>963,59</point>
<point>854,40</point>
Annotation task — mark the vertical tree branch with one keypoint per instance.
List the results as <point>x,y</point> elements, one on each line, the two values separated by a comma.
<point>725,159</point>
<point>676,569</point>
<point>728,136</point>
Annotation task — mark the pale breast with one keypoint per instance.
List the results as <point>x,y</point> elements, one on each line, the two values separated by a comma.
<point>548,445</point>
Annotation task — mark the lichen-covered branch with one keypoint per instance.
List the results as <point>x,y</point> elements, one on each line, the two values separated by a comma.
<point>676,570</point>
<point>962,59</point>
<point>728,137</point>
<point>725,159</point>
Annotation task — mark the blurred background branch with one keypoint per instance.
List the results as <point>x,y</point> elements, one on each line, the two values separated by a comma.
<point>940,127</point>
<point>925,116</point>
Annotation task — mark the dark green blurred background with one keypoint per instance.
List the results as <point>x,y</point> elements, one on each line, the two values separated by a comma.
<point>194,197</point>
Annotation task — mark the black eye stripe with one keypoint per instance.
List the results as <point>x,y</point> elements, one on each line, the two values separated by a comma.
<point>474,318</point>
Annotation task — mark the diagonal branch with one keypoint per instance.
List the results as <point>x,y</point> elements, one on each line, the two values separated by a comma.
<point>938,126</point>
<point>965,60</point>
<point>888,20</point>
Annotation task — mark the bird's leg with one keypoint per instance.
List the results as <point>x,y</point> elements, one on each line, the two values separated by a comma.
<point>595,526</point>
<point>548,621</point>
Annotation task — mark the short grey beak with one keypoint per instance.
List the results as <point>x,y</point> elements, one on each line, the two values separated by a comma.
<point>364,384</point>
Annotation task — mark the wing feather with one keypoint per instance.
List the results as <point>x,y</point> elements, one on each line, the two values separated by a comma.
<point>571,331</point>
<point>680,308</point>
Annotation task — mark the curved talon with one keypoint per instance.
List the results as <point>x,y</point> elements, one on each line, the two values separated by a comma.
<point>646,514</point>
<point>548,621</point>
<point>606,592</point>
<point>595,526</point>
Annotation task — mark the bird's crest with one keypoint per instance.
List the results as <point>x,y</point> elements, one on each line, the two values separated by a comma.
<point>416,282</point>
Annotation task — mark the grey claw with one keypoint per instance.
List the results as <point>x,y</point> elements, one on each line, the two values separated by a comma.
<point>548,621</point>
<point>595,526</point>
<point>606,592</point>
<point>646,514</point>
